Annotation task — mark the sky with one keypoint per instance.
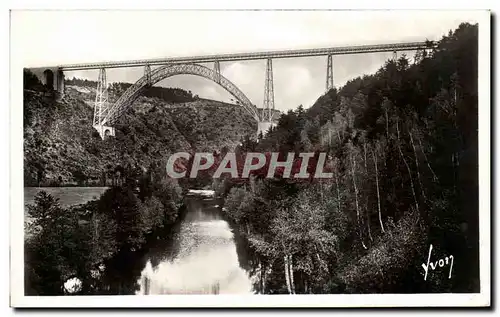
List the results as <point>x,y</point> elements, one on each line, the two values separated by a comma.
<point>46,38</point>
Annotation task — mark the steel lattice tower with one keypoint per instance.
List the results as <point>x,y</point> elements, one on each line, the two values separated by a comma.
<point>101,98</point>
<point>147,73</point>
<point>217,72</point>
<point>268,93</point>
<point>329,74</point>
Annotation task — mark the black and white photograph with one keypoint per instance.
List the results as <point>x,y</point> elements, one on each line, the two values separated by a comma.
<point>287,158</point>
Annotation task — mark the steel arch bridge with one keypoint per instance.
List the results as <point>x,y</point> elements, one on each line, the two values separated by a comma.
<point>109,115</point>
<point>105,113</point>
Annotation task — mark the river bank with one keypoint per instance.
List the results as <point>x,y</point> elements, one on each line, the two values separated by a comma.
<point>202,257</point>
<point>194,252</point>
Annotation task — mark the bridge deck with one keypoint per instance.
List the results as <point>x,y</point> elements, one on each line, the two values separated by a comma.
<point>408,46</point>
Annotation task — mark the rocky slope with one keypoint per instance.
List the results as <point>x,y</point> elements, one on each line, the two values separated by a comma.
<point>62,148</point>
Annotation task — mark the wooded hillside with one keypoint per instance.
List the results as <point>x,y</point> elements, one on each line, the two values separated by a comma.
<point>403,143</point>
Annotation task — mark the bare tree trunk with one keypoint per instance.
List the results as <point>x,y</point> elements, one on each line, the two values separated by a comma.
<point>353,166</point>
<point>417,166</point>
<point>387,125</point>
<point>427,161</point>
<point>378,191</point>
<point>259,266</point>
<point>146,285</point>
<point>287,275</point>
<point>366,167</point>
<point>292,283</point>
<point>366,198</point>
<point>368,226</point>
<point>408,168</point>
<point>264,284</point>
<point>262,278</point>
<point>338,191</point>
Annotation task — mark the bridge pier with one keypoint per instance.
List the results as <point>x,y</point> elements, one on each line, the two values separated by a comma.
<point>217,72</point>
<point>329,73</point>
<point>268,93</point>
<point>101,106</point>
<point>264,126</point>
<point>104,131</point>
<point>52,78</point>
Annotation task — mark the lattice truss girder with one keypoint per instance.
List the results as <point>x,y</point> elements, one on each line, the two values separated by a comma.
<point>258,55</point>
<point>154,76</point>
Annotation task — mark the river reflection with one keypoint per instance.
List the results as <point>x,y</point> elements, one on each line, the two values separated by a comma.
<point>205,259</point>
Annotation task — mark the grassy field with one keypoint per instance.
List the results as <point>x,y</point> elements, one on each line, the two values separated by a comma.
<point>68,196</point>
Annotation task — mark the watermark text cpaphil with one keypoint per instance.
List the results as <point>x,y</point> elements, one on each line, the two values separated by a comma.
<point>286,165</point>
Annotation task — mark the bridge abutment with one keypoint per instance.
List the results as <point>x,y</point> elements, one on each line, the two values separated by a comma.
<point>52,78</point>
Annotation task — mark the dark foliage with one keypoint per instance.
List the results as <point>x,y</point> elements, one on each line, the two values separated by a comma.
<point>101,243</point>
<point>62,149</point>
<point>403,149</point>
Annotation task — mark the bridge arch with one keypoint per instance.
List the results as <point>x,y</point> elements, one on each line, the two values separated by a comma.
<point>157,75</point>
<point>49,78</point>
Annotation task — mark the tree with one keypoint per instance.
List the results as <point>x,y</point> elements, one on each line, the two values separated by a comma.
<point>404,149</point>
<point>305,252</point>
<point>56,248</point>
<point>123,206</point>
<point>152,211</point>
<point>31,81</point>
<point>168,192</point>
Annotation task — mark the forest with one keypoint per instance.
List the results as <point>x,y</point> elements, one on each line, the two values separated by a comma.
<point>403,144</point>
<point>102,243</point>
<point>164,93</point>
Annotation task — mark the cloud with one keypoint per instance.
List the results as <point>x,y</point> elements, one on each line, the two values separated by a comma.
<point>292,85</point>
<point>88,36</point>
<point>248,77</point>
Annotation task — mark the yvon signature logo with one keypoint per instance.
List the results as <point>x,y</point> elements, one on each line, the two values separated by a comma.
<point>442,262</point>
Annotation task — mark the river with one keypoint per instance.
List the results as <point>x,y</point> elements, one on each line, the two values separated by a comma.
<point>204,260</point>
<point>201,258</point>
